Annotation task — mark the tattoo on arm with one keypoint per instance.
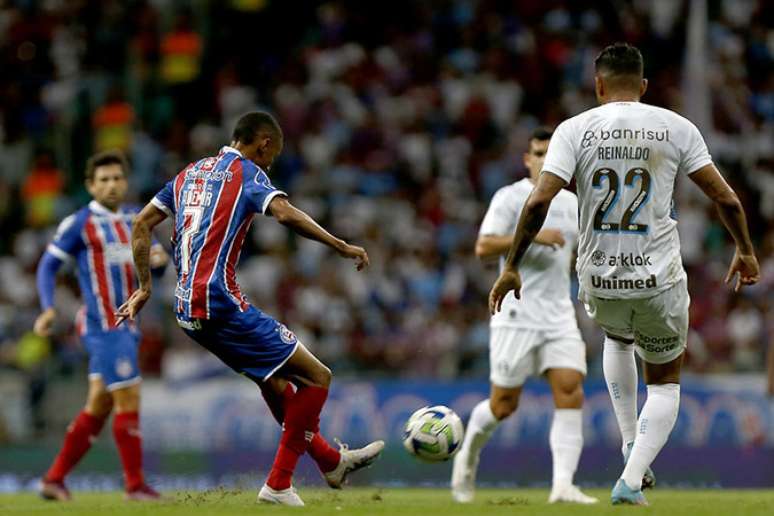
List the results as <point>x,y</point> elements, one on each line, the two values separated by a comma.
<point>141,244</point>
<point>530,222</point>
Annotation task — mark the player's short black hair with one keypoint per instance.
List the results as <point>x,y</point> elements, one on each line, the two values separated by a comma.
<point>541,133</point>
<point>620,59</point>
<point>108,157</point>
<point>249,125</point>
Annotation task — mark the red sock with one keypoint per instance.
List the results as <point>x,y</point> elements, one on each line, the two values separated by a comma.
<point>126,431</point>
<point>82,431</point>
<point>326,457</point>
<point>302,419</point>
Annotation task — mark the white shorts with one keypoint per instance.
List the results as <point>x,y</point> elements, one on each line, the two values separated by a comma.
<point>517,353</point>
<point>658,325</point>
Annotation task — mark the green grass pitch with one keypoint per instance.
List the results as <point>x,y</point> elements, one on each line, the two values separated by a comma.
<point>396,501</point>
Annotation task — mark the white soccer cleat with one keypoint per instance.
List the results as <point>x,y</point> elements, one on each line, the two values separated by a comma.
<point>285,497</point>
<point>352,460</point>
<point>463,481</point>
<point>570,494</point>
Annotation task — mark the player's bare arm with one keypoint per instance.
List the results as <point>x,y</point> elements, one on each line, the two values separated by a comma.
<point>146,220</point>
<point>493,246</point>
<point>288,215</point>
<point>532,217</point>
<point>744,263</point>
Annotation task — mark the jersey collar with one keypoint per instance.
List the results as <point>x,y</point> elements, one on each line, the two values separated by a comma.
<point>228,148</point>
<point>99,209</point>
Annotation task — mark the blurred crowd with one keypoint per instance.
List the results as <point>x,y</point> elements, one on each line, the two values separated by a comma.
<point>401,119</point>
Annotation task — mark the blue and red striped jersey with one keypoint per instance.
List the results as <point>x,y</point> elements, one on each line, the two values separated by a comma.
<point>213,202</point>
<point>98,241</point>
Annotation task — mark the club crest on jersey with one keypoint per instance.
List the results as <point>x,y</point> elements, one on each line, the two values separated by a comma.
<point>287,336</point>
<point>124,368</point>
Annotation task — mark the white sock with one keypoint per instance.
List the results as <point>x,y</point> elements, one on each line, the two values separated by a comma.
<point>621,377</point>
<point>566,439</point>
<point>481,425</point>
<point>656,422</point>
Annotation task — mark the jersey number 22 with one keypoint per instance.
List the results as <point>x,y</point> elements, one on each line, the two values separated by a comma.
<point>627,223</point>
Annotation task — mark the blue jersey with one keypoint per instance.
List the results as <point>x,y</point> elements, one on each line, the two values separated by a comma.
<point>98,241</point>
<point>213,202</point>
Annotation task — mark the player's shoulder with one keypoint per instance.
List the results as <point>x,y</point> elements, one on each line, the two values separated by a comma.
<point>73,222</point>
<point>520,188</point>
<point>672,117</point>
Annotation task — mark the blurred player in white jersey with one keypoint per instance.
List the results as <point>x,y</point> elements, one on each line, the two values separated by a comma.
<point>537,335</point>
<point>625,156</point>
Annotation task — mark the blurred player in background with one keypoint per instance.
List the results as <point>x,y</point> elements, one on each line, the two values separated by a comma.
<point>625,156</point>
<point>213,202</point>
<point>537,335</point>
<point>96,240</point>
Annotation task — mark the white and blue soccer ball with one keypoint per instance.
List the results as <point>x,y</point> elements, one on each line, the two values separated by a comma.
<point>433,434</point>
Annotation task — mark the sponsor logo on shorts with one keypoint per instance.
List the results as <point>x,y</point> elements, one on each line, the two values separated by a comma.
<point>616,283</point>
<point>599,258</point>
<point>653,344</point>
<point>287,336</point>
<point>124,367</point>
<point>193,324</point>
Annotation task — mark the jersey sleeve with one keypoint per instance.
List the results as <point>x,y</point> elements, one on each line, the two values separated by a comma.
<point>695,152</point>
<point>165,199</point>
<point>259,191</point>
<point>67,241</point>
<point>501,217</point>
<point>560,158</point>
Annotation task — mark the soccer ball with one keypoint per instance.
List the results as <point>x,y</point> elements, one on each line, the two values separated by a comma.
<point>433,434</point>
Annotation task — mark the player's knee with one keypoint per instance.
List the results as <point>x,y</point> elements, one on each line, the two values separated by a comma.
<point>127,400</point>
<point>504,406</point>
<point>569,395</point>
<point>323,376</point>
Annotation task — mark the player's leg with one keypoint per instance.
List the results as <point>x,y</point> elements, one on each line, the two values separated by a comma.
<point>511,362</point>
<point>658,417</point>
<point>661,331</point>
<point>80,434</point>
<point>562,359</point>
<point>334,464</point>
<point>301,421</point>
<point>122,378</point>
<point>620,370</point>
<point>619,367</point>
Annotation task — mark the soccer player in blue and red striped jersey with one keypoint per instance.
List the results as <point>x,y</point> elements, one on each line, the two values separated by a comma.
<point>212,202</point>
<point>96,240</point>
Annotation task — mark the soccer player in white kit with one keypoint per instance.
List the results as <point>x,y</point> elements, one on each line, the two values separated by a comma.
<point>625,156</point>
<point>536,335</point>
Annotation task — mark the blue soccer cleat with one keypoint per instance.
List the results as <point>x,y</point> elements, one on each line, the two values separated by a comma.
<point>648,478</point>
<point>624,495</point>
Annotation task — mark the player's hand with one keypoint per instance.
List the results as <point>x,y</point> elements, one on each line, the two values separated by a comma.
<point>158,257</point>
<point>44,323</point>
<point>508,280</point>
<point>550,237</point>
<point>133,305</point>
<point>746,265</point>
<point>357,253</point>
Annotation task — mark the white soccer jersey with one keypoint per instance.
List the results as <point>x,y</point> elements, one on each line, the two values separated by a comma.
<point>545,272</point>
<point>625,157</point>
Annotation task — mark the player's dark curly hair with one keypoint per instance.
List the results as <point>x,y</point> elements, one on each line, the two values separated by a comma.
<point>249,125</point>
<point>108,157</point>
<point>541,133</point>
<point>620,59</point>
